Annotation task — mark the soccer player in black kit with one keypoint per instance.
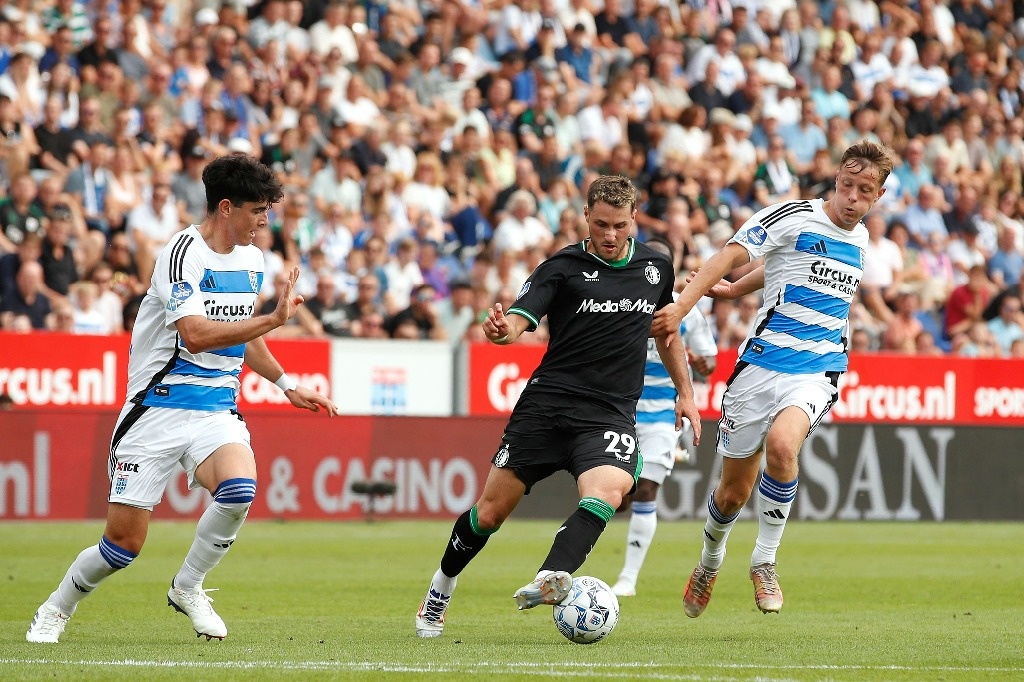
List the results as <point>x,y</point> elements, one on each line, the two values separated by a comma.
<point>577,411</point>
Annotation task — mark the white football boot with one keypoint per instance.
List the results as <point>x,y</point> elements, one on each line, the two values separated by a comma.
<point>47,625</point>
<point>195,604</point>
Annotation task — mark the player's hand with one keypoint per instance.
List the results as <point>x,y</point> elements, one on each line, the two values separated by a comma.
<point>496,327</point>
<point>308,399</point>
<point>685,407</point>
<point>289,302</point>
<point>701,364</point>
<point>721,290</point>
<point>666,321</point>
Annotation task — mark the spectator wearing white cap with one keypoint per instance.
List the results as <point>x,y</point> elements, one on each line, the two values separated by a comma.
<point>204,19</point>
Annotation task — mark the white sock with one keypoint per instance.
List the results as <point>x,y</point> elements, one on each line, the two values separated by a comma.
<point>774,500</point>
<point>215,533</point>
<point>716,533</point>
<point>92,566</point>
<point>442,584</point>
<point>643,522</point>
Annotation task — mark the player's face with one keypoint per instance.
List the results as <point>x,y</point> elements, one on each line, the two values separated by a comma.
<point>609,227</point>
<point>247,220</point>
<point>857,190</point>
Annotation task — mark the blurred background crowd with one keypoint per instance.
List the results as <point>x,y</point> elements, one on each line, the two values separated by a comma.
<point>435,151</point>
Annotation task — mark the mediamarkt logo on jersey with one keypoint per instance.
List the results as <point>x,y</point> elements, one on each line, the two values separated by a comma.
<point>625,305</point>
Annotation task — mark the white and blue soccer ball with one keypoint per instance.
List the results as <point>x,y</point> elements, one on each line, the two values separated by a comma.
<point>589,612</point>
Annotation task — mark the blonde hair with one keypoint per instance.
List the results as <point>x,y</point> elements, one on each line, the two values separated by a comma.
<point>866,153</point>
<point>614,190</point>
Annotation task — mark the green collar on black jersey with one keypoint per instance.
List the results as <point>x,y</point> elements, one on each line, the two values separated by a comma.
<point>621,263</point>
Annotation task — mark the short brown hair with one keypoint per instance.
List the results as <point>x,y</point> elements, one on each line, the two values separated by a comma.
<point>865,153</point>
<point>614,190</point>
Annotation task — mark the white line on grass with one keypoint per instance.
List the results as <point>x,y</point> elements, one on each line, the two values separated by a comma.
<point>565,669</point>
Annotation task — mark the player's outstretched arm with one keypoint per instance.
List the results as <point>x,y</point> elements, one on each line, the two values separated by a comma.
<point>748,284</point>
<point>670,348</point>
<point>260,360</point>
<point>503,329</point>
<point>666,320</point>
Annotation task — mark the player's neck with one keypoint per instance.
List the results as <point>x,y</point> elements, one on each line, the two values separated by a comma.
<point>216,240</point>
<point>833,215</point>
<point>615,263</point>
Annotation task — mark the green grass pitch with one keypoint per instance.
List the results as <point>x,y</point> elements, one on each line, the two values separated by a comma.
<point>335,601</point>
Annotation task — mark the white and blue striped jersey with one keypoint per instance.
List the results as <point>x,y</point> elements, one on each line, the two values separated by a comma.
<point>192,279</point>
<point>812,269</point>
<point>658,400</point>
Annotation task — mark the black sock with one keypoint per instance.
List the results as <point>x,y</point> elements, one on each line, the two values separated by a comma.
<point>578,536</point>
<point>465,543</point>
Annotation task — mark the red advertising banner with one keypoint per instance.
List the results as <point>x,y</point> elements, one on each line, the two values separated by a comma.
<point>498,374</point>
<point>878,388</point>
<point>55,466</point>
<point>73,372</point>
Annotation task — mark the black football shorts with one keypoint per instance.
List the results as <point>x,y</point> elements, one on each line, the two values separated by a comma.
<point>549,432</point>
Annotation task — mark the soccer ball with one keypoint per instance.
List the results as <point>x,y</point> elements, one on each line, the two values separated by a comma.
<point>589,613</point>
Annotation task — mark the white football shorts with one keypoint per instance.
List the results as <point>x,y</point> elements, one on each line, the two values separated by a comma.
<point>756,397</point>
<point>657,445</point>
<point>146,448</point>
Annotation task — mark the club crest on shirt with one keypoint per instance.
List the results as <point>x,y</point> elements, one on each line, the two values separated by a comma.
<point>522,292</point>
<point>180,291</point>
<point>254,282</point>
<point>652,274</point>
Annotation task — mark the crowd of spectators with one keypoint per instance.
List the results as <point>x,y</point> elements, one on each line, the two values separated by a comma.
<point>435,151</point>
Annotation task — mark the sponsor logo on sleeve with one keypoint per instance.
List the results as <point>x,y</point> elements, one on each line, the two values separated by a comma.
<point>756,235</point>
<point>180,292</point>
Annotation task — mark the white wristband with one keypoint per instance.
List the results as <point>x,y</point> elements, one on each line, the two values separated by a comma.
<point>286,383</point>
<point>501,339</point>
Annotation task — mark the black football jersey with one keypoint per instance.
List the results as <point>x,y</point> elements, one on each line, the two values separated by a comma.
<point>599,317</point>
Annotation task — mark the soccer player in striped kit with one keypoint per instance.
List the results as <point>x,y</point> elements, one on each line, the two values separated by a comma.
<point>787,373</point>
<point>657,435</point>
<point>194,330</point>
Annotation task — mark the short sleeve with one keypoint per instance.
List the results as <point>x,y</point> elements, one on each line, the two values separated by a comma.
<point>759,240</point>
<point>176,279</point>
<point>538,292</point>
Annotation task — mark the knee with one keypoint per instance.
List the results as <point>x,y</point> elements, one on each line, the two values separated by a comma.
<point>781,455</point>
<point>490,516</point>
<point>120,549</point>
<point>730,498</point>
<point>615,498</point>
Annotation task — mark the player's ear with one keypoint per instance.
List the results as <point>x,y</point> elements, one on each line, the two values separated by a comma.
<point>224,207</point>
